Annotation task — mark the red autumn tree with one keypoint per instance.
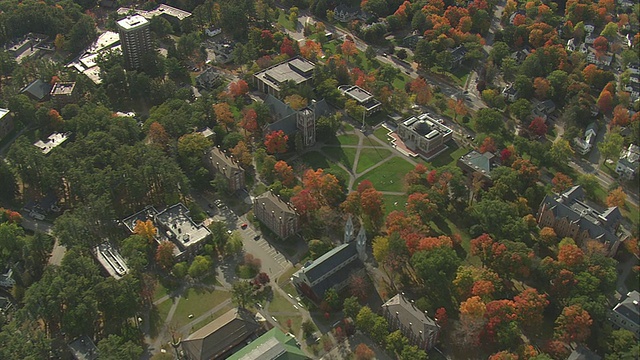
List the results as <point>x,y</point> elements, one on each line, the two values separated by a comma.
<point>284,173</point>
<point>311,50</point>
<point>422,90</point>
<point>504,355</point>
<point>589,73</point>
<point>164,255</point>
<point>601,44</point>
<point>262,278</point>
<point>348,49</point>
<point>276,142</point>
<point>605,101</point>
<point>364,353</point>
<point>617,198</point>
<point>287,47</point>
<point>488,145</point>
<point>372,205</point>
<point>530,306</point>
<point>55,119</point>
<point>483,288</point>
<point>158,135</point>
<point>415,176</point>
<point>519,19</point>
<point>305,202</point>
<point>249,120</point>
<point>621,116</point>
<point>358,287</point>
<point>486,249</point>
<point>238,88</point>
<point>441,317</point>
<point>506,156</point>
<point>421,205</point>
<point>542,87</point>
<point>561,182</point>
<point>538,126</point>
<point>573,324</point>
<point>430,243</point>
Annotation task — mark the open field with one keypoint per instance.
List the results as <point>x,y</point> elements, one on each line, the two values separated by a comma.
<point>197,302</point>
<point>345,156</point>
<point>370,157</point>
<point>389,176</point>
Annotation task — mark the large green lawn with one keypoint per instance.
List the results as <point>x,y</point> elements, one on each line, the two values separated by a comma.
<point>394,202</point>
<point>197,302</point>
<point>280,304</point>
<point>316,160</point>
<point>345,139</point>
<point>381,133</point>
<point>388,176</point>
<point>345,156</point>
<point>370,157</point>
<point>450,156</point>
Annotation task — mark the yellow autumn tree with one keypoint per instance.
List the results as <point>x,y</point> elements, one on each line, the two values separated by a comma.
<point>145,229</point>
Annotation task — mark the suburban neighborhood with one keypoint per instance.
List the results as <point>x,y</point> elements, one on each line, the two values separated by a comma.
<point>319,179</point>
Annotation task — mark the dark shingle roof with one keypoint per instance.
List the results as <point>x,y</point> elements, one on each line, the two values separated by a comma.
<point>329,260</point>
<point>38,89</point>
<point>409,315</point>
<point>582,353</point>
<point>628,307</point>
<point>336,278</point>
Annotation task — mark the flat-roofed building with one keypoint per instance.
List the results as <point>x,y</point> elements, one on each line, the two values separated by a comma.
<point>63,93</point>
<point>276,214</point>
<point>6,123</point>
<point>273,345</point>
<point>111,260</point>
<point>297,70</point>
<point>424,135</point>
<point>362,97</point>
<point>415,324</point>
<point>53,140</point>
<point>476,163</point>
<point>219,162</point>
<point>135,39</point>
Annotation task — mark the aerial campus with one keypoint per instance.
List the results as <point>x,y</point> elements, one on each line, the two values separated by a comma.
<point>319,179</point>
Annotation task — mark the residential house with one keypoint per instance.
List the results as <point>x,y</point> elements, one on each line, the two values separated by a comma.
<point>111,260</point>
<point>362,97</point>
<point>627,166</point>
<point>626,314</point>
<point>38,90</point>
<point>297,70</point>
<point>273,345</point>
<point>424,135</point>
<point>53,140</point>
<point>220,162</point>
<point>411,41</point>
<point>216,339</point>
<point>544,108</point>
<point>571,45</point>
<point>589,28</point>
<point>585,144</point>
<point>6,279</point>
<point>6,123</point>
<point>223,51</point>
<point>590,39</point>
<point>582,353</point>
<point>633,86</point>
<point>510,93</point>
<point>332,269</point>
<point>344,13</point>
<point>278,215</point>
<point>570,216</point>
<point>520,55</point>
<point>415,324</point>
<point>83,348</point>
<point>5,305</point>
<point>291,121</point>
<point>476,163</point>
<point>512,18</point>
<point>213,31</point>
<point>457,55</point>
<point>601,60</point>
<point>63,93</point>
<point>173,224</point>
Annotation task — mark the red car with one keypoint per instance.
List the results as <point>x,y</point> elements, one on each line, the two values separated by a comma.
<point>244,225</point>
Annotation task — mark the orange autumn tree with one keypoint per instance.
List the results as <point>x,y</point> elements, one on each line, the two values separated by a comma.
<point>145,229</point>
<point>348,49</point>
<point>488,145</point>
<point>573,324</point>
<point>561,182</point>
<point>284,173</point>
<point>238,88</point>
<point>621,116</point>
<point>617,198</point>
<point>249,120</point>
<point>158,135</point>
<point>224,116</point>
<point>422,90</point>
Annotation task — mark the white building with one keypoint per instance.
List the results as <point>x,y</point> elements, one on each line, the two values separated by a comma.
<point>53,141</point>
<point>584,145</point>
<point>627,166</point>
<point>135,39</point>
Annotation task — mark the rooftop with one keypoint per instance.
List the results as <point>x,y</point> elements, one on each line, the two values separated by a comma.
<point>54,140</point>
<point>275,205</point>
<point>38,89</point>
<point>328,261</point>
<point>222,162</point>
<point>160,10</point>
<point>104,41</point>
<point>273,345</point>
<point>180,227</point>
<point>297,70</point>
<point>62,88</point>
<point>3,112</point>
<point>83,348</point>
<point>629,308</point>
<point>479,162</point>
<point>111,260</point>
<point>426,126</point>
<point>132,22</point>
<point>409,315</point>
<point>220,335</point>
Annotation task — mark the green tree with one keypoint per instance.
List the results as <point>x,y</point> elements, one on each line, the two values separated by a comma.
<point>611,146</point>
<point>114,347</point>
<point>396,342</point>
<point>82,34</point>
<point>436,267</point>
<point>380,330</point>
<point>560,152</point>
<point>308,328</point>
<point>412,352</point>
<point>370,53</point>
<point>242,293</point>
<point>234,244</point>
<point>499,51</point>
<point>200,266</point>
<point>489,121</point>
<point>332,298</point>
<point>351,307</point>
<point>365,319</point>
<point>521,109</point>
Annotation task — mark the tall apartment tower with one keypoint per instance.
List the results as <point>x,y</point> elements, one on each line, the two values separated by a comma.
<point>135,38</point>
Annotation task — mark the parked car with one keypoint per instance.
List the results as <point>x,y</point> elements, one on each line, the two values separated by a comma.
<point>244,225</point>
